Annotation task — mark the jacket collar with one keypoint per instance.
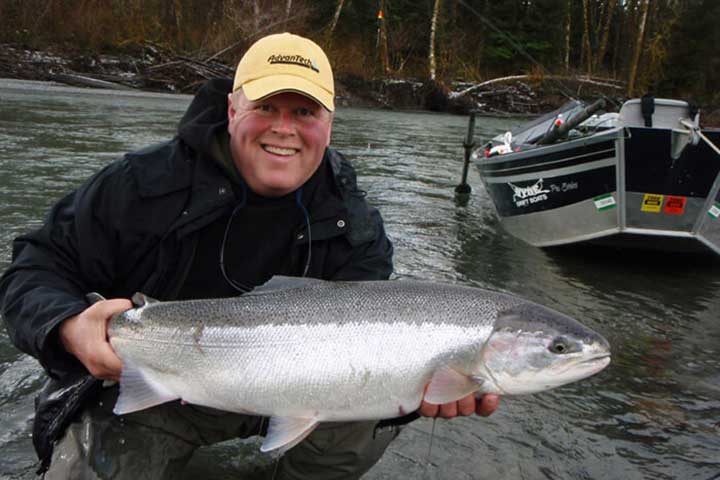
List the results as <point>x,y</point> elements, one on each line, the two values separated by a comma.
<point>211,194</point>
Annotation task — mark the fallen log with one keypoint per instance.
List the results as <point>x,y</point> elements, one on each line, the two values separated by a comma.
<point>528,77</point>
<point>85,81</point>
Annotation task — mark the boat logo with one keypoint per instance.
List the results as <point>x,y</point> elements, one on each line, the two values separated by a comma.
<point>524,196</point>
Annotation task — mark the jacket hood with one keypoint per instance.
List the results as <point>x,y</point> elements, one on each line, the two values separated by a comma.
<point>203,127</point>
<point>206,117</point>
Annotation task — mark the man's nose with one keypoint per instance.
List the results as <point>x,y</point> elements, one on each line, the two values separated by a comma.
<point>284,123</point>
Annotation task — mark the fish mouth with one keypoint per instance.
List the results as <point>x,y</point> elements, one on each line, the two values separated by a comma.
<point>599,362</point>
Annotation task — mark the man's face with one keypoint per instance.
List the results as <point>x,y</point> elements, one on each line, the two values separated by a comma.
<point>277,143</point>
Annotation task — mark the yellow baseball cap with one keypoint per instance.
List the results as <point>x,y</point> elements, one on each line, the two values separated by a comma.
<point>286,63</point>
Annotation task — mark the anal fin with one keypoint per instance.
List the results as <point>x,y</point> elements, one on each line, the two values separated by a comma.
<point>284,433</point>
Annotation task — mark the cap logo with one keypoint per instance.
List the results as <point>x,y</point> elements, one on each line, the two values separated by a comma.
<point>294,60</point>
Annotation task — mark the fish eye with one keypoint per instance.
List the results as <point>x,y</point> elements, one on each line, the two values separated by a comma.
<point>559,345</point>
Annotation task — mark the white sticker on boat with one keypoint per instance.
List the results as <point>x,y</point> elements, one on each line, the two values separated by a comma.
<point>524,196</point>
<point>604,202</point>
<point>714,210</point>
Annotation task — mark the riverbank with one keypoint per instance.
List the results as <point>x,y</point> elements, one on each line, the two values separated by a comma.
<point>151,68</point>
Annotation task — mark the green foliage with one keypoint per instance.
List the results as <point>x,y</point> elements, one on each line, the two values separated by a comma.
<point>693,67</point>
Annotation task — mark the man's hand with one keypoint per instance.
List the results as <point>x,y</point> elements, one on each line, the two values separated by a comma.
<point>85,336</point>
<point>485,406</point>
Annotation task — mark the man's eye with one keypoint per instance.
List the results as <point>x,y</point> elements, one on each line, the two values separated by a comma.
<point>304,112</point>
<point>264,108</point>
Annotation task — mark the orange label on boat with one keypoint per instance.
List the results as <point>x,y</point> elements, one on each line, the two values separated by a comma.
<point>675,205</point>
<point>652,203</point>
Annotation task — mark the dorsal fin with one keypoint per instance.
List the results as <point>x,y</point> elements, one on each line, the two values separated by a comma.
<point>94,297</point>
<point>141,300</point>
<point>280,283</point>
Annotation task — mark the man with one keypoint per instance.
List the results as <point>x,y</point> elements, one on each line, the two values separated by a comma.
<point>246,190</point>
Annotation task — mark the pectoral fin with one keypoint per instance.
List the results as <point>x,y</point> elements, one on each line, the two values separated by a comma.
<point>285,433</point>
<point>449,385</point>
<point>137,392</point>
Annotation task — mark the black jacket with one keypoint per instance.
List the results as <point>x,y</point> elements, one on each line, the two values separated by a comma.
<point>133,227</point>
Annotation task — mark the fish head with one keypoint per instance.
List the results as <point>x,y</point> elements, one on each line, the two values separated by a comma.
<point>533,348</point>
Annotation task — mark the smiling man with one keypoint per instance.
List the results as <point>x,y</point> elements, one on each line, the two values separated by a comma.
<point>247,189</point>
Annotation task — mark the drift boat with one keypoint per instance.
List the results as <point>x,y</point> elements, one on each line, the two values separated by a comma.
<point>647,176</point>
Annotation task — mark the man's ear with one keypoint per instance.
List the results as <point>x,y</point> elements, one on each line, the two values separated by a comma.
<point>329,136</point>
<point>231,109</point>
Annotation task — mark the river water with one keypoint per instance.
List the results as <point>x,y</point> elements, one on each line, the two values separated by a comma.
<point>654,413</point>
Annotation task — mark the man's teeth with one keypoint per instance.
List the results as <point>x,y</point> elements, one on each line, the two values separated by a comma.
<point>279,150</point>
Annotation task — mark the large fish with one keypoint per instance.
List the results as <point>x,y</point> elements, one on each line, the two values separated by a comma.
<point>303,351</point>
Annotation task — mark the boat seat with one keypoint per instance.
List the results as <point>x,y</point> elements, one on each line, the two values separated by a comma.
<point>667,114</point>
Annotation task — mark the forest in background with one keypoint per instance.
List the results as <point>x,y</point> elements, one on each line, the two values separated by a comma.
<point>663,47</point>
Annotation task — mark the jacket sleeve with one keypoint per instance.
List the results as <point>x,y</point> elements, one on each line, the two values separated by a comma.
<point>54,267</point>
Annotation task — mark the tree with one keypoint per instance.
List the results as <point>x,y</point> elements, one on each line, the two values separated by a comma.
<point>568,23</point>
<point>586,49</point>
<point>433,30</point>
<point>605,34</point>
<point>692,67</point>
<point>336,17</point>
<point>644,7</point>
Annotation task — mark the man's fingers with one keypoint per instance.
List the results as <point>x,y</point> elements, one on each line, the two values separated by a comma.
<point>449,410</point>
<point>482,405</point>
<point>466,405</point>
<point>428,409</point>
<point>107,308</point>
<point>487,404</point>
<point>110,365</point>
<point>85,336</point>
<point>102,361</point>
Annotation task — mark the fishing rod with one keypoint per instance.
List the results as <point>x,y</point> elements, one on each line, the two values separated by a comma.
<point>463,188</point>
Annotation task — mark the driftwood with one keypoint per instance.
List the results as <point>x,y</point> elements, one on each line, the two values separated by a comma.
<point>175,72</point>
<point>203,69</point>
<point>598,82</point>
<point>85,81</point>
<point>182,73</point>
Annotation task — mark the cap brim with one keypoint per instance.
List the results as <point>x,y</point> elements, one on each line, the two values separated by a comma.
<point>264,87</point>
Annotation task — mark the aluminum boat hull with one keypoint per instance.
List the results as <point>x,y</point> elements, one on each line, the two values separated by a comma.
<point>620,186</point>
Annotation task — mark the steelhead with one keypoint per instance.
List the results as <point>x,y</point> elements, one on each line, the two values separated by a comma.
<point>304,351</point>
